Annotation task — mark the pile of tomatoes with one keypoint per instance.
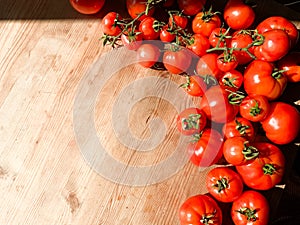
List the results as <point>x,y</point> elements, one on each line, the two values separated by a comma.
<point>239,68</point>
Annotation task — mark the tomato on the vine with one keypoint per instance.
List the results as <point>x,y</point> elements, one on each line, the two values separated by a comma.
<point>198,44</point>
<point>177,20</point>
<point>147,30</point>
<point>131,39</point>
<point>250,208</point>
<point>219,38</point>
<point>191,121</point>
<point>110,24</point>
<point>238,15</point>
<point>227,62</point>
<point>200,210</point>
<point>136,7</point>
<point>282,124</point>
<point>194,85</point>
<point>224,184</point>
<point>191,7</point>
<point>231,80</point>
<point>254,108</point>
<point>207,148</point>
<point>239,127</point>
<point>266,170</point>
<point>147,55</point>
<point>205,22</point>
<point>262,78</point>
<point>238,151</point>
<point>207,65</point>
<point>290,65</point>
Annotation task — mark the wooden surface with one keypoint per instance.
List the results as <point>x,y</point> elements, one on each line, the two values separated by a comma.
<point>45,50</point>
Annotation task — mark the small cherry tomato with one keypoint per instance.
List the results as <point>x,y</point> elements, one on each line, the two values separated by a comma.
<point>191,7</point>
<point>198,44</point>
<point>191,121</point>
<point>147,55</point>
<point>166,34</point>
<point>219,38</point>
<point>147,30</point>
<point>110,24</point>
<point>231,80</point>
<point>207,65</point>
<point>177,20</point>
<point>239,127</point>
<point>136,7</point>
<point>131,39</point>
<point>194,86</point>
<point>227,62</point>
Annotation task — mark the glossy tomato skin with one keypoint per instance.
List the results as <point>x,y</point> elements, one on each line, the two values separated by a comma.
<point>279,22</point>
<point>136,7</point>
<point>291,66</point>
<point>265,171</point>
<point>239,127</point>
<point>191,7</point>
<point>108,24</point>
<point>191,121</point>
<point>237,151</point>
<point>165,35</point>
<point>227,63</point>
<point>216,106</point>
<point>208,149</point>
<point>214,38</point>
<point>198,44</point>
<point>224,184</point>
<point>177,60</point>
<point>178,21</point>
<point>254,108</point>
<point>194,86</point>
<point>87,6</point>
<point>132,40</point>
<point>205,22</point>
<point>197,208</point>
<point>207,65</point>
<point>147,30</point>
<point>238,15</point>
<point>260,79</point>
<point>250,203</point>
<point>276,44</point>
<point>147,55</point>
<point>282,123</point>
<point>231,80</point>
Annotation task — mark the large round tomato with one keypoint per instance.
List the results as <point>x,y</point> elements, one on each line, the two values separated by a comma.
<point>198,44</point>
<point>177,59</point>
<point>147,55</point>
<point>87,6</point>
<point>194,86</point>
<point>254,108</point>
<point>136,8</point>
<point>216,106</point>
<point>191,7</point>
<point>279,22</point>
<point>262,78</point>
<point>266,170</point>
<point>205,22</point>
<point>224,184</point>
<point>251,208</point>
<point>275,45</point>
<point>238,15</point>
<point>237,151</point>
<point>207,150</point>
<point>191,121</point>
<point>200,210</point>
<point>282,123</point>
<point>290,64</point>
<point>238,127</point>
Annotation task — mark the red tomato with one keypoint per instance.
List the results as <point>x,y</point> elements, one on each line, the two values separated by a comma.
<point>227,62</point>
<point>109,25</point>
<point>191,7</point>
<point>291,66</point>
<point>282,123</point>
<point>238,15</point>
<point>231,80</point>
<point>207,65</point>
<point>147,30</point>
<point>262,78</point>
<point>87,6</point>
<point>191,121</point>
<point>198,44</point>
<point>216,106</point>
<point>251,208</point>
<point>224,184</point>
<point>131,39</point>
<point>166,34</point>
<point>241,42</point>
<point>238,127</point>
<point>178,20</point>
<point>200,210</point>
<point>137,7</point>
<point>281,23</point>
<point>207,150</point>
<point>215,39</point>
<point>147,55</point>
<point>205,22</point>
<point>177,59</point>
<point>194,86</point>
<point>254,108</point>
<point>276,44</point>
<point>237,151</point>
<point>266,170</point>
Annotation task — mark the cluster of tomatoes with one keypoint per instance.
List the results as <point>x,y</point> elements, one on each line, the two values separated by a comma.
<point>239,70</point>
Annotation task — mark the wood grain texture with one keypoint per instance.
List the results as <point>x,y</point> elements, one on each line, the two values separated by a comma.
<point>44,179</point>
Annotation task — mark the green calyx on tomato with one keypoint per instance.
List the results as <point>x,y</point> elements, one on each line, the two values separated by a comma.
<point>208,15</point>
<point>208,219</point>
<point>269,169</point>
<point>222,184</point>
<point>255,110</point>
<point>235,97</point>
<point>249,213</point>
<point>192,122</point>
<point>249,152</point>
<point>277,74</point>
<point>241,127</point>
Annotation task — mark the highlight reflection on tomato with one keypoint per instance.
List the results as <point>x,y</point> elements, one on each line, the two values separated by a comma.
<point>87,6</point>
